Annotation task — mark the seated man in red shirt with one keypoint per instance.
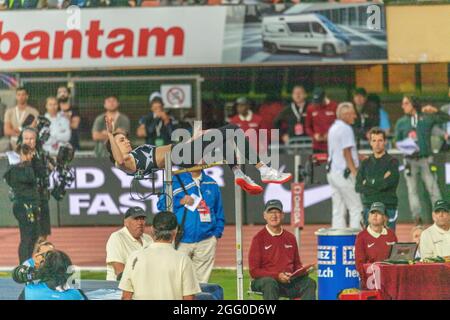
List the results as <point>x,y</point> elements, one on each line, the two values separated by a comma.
<point>273,257</point>
<point>373,244</point>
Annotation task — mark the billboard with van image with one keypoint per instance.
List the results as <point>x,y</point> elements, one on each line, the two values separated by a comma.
<point>318,32</point>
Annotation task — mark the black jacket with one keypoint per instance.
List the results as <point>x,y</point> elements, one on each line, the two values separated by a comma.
<point>372,184</point>
<point>287,115</point>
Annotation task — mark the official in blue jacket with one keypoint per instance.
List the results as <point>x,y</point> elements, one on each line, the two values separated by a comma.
<point>201,204</point>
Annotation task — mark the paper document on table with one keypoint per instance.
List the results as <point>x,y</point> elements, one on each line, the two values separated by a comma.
<point>407,146</point>
<point>194,206</point>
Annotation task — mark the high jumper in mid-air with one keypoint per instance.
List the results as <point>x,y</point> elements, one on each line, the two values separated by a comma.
<point>147,158</point>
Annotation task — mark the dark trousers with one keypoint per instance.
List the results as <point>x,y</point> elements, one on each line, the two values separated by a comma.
<point>301,287</point>
<point>44,218</point>
<point>29,230</point>
<point>245,149</point>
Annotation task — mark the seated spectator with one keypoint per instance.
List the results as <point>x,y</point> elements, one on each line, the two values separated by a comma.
<point>159,272</point>
<point>16,117</point>
<point>23,4</point>
<point>119,3</point>
<point>4,4</point>
<point>202,226</point>
<point>435,241</point>
<point>247,120</point>
<point>71,113</point>
<point>121,124</point>
<point>368,115</point>
<point>157,126</point>
<point>320,115</point>
<point>374,101</point>
<point>123,242</point>
<point>269,110</point>
<point>293,116</point>
<point>4,141</point>
<point>59,127</point>
<point>53,276</point>
<point>374,243</point>
<point>274,256</point>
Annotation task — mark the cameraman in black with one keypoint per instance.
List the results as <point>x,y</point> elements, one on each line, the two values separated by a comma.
<point>22,180</point>
<point>41,164</point>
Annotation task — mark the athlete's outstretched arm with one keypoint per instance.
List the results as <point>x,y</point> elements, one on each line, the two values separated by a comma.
<point>125,162</point>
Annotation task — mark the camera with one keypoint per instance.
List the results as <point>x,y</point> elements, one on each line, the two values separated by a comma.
<point>63,176</point>
<point>24,274</point>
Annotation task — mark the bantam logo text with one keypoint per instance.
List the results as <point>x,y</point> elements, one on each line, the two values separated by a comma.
<point>93,42</point>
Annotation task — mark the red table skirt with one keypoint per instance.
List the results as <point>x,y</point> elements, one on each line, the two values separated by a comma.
<point>422,281</point>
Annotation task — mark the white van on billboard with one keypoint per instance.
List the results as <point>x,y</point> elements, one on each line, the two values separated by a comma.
<point>303,33</point>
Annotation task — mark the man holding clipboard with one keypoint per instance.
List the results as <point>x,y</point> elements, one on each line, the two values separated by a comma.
<point>274,260</point>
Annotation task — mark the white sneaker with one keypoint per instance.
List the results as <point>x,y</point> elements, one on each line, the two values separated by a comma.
<point>274,176</point>
<point>247,184</point>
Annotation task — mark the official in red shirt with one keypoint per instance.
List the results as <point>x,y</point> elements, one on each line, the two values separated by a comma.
<point>274,256</point>
<point>320,115</point>
<point>249,122</point>
<point>373,244</point>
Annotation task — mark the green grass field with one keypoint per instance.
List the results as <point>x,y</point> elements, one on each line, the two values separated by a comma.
<point>224,277</point>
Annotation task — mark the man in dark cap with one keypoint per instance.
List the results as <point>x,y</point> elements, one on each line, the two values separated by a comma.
<point>274,257</point>
<point>125,241</point>
<point>159,272</point>
<point>435,241</point>
<point>248,122</point>
<point>374,243</point>
<point>320,115</point>
<point>368,115</point>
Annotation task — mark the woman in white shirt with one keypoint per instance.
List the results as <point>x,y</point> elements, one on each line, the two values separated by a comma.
<point>59,128</point>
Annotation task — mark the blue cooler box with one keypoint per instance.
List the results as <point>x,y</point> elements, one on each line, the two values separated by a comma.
<point>336,262</point>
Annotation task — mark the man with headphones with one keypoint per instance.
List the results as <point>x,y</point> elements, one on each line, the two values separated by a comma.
<point>41,167</point>
<point>416,125</point>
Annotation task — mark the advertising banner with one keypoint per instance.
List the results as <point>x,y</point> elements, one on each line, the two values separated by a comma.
<point>297,209</point>
<point>86,39</point>
<point>103,38</point>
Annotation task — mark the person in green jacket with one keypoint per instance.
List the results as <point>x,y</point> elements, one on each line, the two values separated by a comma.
<point>378,178</point>
<point>22,180</point>
<point>417,124</point>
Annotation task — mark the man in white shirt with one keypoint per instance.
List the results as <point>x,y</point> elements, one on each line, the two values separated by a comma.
<point>16,117</point>
<point>435,241</point>
<point>125,241</point>
<point>159,272</point>
<point>59,127</point>
<point>342,168</point>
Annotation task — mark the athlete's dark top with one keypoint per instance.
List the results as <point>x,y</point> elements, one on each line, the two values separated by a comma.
<point>145,159</point>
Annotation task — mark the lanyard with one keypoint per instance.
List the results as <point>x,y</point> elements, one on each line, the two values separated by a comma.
<point>414,121</point>
<point>158,128</point>
<point>296,112</point>
<point>21,117</point>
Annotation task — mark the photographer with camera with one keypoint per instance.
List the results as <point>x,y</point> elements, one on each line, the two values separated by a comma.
<point>22,180</point>
<point>41,164</point>
<point>52,279</point>
<point>26,272</point>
